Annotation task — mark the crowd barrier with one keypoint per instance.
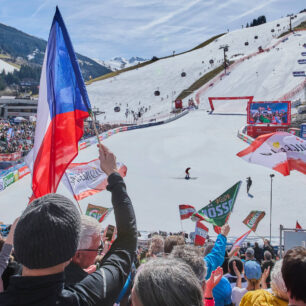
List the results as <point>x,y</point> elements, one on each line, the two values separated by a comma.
<point>243,135</point>
<point>17,172</point>
<point>10,156</point>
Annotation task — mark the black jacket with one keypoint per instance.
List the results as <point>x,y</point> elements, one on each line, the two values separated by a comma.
<point>99,288</point>
<point>74,274</point>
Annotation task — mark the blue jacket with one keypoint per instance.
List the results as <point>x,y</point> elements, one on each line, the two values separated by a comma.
<point>215,258</point>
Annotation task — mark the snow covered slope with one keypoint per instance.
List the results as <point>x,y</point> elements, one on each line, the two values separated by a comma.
<point>136,88</point>
<point>7,67</point>
<point>157,158</point>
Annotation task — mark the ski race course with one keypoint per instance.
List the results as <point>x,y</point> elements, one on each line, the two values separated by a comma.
<point>157,157</point>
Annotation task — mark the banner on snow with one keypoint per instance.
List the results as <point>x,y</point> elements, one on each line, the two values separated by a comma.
<point>280,151</point>
<point>252,220</point>
<point>218,211</point>
<point>85,179</point>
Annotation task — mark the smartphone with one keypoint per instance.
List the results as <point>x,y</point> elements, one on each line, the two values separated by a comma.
<point>110,232</point>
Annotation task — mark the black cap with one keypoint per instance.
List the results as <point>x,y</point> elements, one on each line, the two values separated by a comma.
<point>47,232</point>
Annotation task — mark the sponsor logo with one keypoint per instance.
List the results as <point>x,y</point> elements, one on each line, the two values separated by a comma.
<point>8,180</point>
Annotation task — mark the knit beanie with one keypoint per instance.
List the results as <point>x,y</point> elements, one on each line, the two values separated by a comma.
<point>47,232</point>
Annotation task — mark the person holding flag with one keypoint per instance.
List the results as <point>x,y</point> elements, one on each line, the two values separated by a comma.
<point>47,233</point>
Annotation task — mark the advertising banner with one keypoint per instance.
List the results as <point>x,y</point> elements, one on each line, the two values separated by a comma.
<point>303,53</point>
<point>1,184</point>
<point>8,179</point>
<point>302,61</point>
<point>299,73</point>
<point>23,171</point>
<point>269,112</point>
<point>10,156</point>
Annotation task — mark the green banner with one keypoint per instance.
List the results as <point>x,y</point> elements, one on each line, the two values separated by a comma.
<point>8,179</point>
<point>217,212</point>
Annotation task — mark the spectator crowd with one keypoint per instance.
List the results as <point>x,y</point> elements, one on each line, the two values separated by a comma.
<point>16,137</point>
<point>52,255</point>
<point>19,136</point>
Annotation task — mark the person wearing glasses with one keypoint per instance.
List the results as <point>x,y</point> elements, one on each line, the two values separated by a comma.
<point>90,245</point>
<point>46,239</point>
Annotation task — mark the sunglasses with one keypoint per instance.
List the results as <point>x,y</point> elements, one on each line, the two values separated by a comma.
<point>99,250</point>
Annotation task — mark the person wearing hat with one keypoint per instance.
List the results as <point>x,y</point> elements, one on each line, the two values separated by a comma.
<point>46,238</point>
<point>252,273</point>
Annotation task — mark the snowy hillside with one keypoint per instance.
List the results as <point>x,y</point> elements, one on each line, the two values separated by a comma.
<point>6,67</point>
<point>118,63</point>
<point>136,88</point>
<point>156,159</point>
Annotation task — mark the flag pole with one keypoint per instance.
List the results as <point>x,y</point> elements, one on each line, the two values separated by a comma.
<point>95,128</point>
<point>181,224</point>
<point>79,206</point>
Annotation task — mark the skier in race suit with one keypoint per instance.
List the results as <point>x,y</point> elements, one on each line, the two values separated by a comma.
<point>187,177</point>
<point>249,184</point>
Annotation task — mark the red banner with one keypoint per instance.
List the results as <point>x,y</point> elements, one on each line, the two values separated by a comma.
<point>23,171</point>
<point>10,156</point>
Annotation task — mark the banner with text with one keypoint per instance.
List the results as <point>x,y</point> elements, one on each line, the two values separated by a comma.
<point>218,211</point>
<point>85,179</point>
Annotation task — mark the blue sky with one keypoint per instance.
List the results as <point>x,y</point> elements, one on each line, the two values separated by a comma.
<point>108,28</point>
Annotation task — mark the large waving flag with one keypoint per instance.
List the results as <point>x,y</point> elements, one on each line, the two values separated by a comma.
<point>63,104</point>
<point>279,151</point>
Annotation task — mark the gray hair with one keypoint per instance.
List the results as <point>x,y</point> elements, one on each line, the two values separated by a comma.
<point>166,282</point>
<point>277,282</point>
<point>90,228</point>
<point>267,255</point>
<point>192,256</point>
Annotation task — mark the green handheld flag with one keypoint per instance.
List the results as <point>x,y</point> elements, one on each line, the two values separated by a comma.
<point>218,211</point>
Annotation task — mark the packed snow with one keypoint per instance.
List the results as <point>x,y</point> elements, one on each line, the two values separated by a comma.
<point>156,159</point>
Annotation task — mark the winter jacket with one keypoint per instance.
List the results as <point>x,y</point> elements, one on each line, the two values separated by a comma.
<point>74,274</point>
<point>215,258</point>
<point>261,298</point>
<point>99,288</point>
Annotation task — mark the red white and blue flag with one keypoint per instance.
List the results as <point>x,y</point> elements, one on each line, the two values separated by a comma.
<point>186,211</point>
<point>201,232</point>
<point>63,104</point>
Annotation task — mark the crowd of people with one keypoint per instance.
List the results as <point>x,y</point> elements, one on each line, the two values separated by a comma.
<point>16,137</point>
<point>19,136</point>
<point>52,255</point>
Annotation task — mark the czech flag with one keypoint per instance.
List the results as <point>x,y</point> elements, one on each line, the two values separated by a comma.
<point>63,104</point>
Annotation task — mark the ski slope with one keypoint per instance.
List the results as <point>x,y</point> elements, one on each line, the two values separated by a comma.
<point>156,159</point>
<point>273,78</point>
<point>6,67</point>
